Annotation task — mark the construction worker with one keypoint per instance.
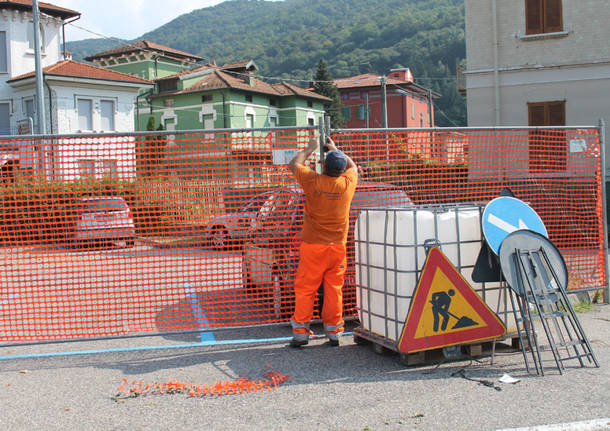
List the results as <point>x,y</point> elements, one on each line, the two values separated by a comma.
<point>328,197</point>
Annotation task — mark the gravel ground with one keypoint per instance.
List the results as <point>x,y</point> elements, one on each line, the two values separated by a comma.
<point>345,388</point>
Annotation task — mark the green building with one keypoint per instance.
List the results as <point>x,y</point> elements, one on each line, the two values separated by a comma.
<point>145,59</point>
<point>186,97</point>
<point>212,97</point>
<point>231,96</point>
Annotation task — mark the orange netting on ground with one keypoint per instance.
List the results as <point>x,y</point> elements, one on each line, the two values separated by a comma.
<point>126,234</point>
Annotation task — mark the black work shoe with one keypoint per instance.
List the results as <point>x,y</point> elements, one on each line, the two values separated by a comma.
<point>298,343</point>
<point>333,343</point>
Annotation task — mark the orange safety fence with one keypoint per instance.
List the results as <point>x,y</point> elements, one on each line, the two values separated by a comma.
<point>126,234</point>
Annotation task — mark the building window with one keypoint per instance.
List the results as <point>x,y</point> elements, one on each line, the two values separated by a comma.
<point>167,85</point>
<point>543,16</point>
<point>309,104</point>
<point>249,121</point>
<point>361,112</point>
<point>207,98</point>
<point>108,169</point>
<point>85,112</point>
<point>86,169</point>
<point>107,115</point>
<point>5,119</point>
<point>29,109</point>
<point>346,111</point>
<point>547,148</point>
<point>30,36</point>
<point>248,98</point>
<point>311,121</point>
<point>421,119</point>
<point>3,53</point>
<point>272,102</point>
<point>412,111</point>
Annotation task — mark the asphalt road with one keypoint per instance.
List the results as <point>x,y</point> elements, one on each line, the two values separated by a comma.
<point>61,292</point>
<point>344,388</point>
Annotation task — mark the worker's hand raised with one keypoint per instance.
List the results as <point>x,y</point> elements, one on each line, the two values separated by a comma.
<point>329,144</point>
<point>313,143</point>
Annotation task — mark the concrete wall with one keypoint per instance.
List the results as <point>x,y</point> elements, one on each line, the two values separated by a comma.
<point>572,65</point>
<point>584,38</point>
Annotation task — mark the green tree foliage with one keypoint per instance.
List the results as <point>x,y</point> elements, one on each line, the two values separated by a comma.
<point>287,38</point>
<point>323,85</point>
<point>151,123</point>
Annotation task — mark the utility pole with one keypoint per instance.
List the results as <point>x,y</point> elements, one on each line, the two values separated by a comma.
<point>38,65</point>
<point>366,113</point>
<point>384,113</point>
<point>384,101</point>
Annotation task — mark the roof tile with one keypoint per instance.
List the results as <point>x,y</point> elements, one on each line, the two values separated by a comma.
<point>219,79</point>
<point>81,70</point>
<point>45,7</point>
<point>143,45</point>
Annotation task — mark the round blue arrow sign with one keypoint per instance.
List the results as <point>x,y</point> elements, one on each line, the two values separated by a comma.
<point>505,215</point>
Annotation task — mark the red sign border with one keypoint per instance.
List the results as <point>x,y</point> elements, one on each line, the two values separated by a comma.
<point>409,344</point>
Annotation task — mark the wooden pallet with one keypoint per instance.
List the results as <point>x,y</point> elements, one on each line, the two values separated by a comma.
<point>383,346</point>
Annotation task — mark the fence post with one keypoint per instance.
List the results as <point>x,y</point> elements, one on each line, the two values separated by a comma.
<point>322,132</point>
<point>602,144</point>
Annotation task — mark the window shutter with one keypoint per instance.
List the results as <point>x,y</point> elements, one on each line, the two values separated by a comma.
<point>557,114</point>
<point>552,16</point>
<point>533,16</point>
<point>536,115</point>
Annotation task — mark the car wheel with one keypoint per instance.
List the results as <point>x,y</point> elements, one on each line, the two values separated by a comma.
<point>219,238</point>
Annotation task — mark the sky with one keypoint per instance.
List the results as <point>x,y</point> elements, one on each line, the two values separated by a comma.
<point>125,19</point>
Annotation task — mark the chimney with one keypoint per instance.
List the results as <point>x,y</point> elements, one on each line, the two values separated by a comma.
<point>404,74</point>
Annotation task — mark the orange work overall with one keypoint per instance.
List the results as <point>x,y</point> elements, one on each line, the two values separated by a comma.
<point>323,250</point>
<point>319,263</point>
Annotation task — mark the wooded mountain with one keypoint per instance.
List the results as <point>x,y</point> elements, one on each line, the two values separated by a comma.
<point>286,39</point>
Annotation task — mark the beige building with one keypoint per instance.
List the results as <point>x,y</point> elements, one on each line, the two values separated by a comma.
<point>538,62</point>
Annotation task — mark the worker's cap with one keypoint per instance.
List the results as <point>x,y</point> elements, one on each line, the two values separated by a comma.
<point>335,163</point>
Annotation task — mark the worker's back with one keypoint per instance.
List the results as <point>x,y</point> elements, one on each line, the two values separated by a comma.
<point>327,203</point>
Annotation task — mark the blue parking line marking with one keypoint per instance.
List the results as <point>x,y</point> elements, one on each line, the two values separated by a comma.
<point>191,296</point>
<point>145,348</point>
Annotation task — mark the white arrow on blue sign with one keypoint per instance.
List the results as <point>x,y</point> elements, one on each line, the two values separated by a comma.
<point>504,215</point>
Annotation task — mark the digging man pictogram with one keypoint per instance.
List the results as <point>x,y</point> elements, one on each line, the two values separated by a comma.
<point>440,308</point>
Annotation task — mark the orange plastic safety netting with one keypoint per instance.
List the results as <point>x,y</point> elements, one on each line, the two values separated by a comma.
<point>128,234</point>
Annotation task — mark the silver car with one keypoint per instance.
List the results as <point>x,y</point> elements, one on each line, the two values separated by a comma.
<point>271,254</point>
<point>104,218</point>
<point>228,229</point>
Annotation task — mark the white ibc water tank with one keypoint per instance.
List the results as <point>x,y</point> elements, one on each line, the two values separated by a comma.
<point>390,254</point>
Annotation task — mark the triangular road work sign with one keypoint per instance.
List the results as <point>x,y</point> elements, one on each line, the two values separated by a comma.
<point>446,310</point>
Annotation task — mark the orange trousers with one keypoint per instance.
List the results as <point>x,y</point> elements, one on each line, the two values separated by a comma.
<point>320,263</point>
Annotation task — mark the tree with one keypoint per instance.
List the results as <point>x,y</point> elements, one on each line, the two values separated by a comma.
<point>323,85</point>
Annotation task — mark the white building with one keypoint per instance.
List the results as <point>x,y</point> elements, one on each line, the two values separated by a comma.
<point>79,98</point>
<point>538,63</point>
